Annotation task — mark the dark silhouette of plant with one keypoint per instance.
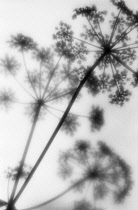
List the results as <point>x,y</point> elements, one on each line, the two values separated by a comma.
<point>6,97</point>
<point>114,54</point>
<point>101,168</point>
<point>48,84</point>
<point>9,64</point>
<point>70,124</point>
<point>11,174</point>
<point>96,118</point>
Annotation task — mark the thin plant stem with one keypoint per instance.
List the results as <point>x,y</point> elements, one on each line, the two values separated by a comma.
<point>54,88</point>
<point>120,37</point>
<point>8,185</point>
<point>104,71</point>
<point>100,30</point>
<point>57,196</point>
<point>22,86</point>
<point>114,27</point>
<point>88,73</point>
<point>122,63</point>
<point>111,64</point>
<point>24,154</point>
<point>87,189</point>
<point>94,200</point>
<point>100,51</point>
<point>40,72</point>
<point>85,42</point>
<point>28,74</point>
<point>94,31</point>
<point>124,34</point>
<point>124,53</point>
<point>52,113</point>
<point>129,48</point>
<point>78,115</point>
<point>77,164</point>
<point>50,77</point>
<point>60,96</point>
<point>20,102</point>
<point>125,46</point>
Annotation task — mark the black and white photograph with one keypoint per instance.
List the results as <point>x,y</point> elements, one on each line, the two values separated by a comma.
<point>68,105</point>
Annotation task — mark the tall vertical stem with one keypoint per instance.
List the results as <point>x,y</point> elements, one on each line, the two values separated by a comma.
<point>24,155</point>
<point>88,73</point>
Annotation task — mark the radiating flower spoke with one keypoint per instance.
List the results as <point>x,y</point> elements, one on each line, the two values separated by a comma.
<point>109,176</point>
<point>103,41</point>
<point>125,46</point>
<point>114,27</point>
<point>28,75</point>
<point>99,40</point>
<point>87,42</point>
<point>124,34</point>
<point>129,48</point>
<point>116,82</point>
<point>52,113</point>
<point>50,77</point>
<point>122,63</point>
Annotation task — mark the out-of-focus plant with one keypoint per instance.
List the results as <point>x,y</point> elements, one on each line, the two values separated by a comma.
<point>11,174</point>
<point>115,54</point>
<point>100,169</point>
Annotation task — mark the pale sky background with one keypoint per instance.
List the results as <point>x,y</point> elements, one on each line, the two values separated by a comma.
<point>38,19</point>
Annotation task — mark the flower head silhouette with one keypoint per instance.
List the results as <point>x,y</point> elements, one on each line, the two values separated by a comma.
<point>22,42</point>
<point>9,65</point>
<point>101,168</point>
<point>114,53</point>
<point>117,47</point>
<point>96,118</point>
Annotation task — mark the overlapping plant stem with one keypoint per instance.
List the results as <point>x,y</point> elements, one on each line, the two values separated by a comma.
<point>113,50</point>
<point>43,92</point>
<point>73,186</point>
<point>57,128</point>
<point>99,169</point>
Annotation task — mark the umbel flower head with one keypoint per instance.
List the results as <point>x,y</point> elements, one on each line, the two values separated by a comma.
<point>119,47</point>
<point>9,64</point>
<point>70,124</point>
<point>6,98</point>
<point>96,118</point>
<point>101,168</point>
<point>52,80</point>
<point>22,42</point>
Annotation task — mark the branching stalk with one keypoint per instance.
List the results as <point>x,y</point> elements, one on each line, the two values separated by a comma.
<point>50,77</point>
<point>40,72</point>
<point>59,96</point>
<point>28,74</point>
<point>114,28</point>
<point>88,73</point>
<point>124,34</point>
<point>55,88</point>
<point>25,154</point>
<point>122,63</point>
<point>95,32</point>
<point>85,42</point>
<point>57,196</point>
